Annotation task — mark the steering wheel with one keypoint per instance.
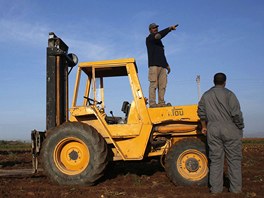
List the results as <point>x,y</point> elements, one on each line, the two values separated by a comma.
<point>92,100</point>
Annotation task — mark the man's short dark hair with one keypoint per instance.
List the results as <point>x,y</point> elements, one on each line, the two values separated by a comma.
<point>219,79</point>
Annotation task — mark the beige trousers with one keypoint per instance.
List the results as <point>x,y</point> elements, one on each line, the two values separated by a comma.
<point>157,80</point>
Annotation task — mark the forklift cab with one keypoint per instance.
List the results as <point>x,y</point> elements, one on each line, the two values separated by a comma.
<point>99,91</point>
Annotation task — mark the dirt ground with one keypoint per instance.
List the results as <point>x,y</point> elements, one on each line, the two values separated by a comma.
<point>122,179</point>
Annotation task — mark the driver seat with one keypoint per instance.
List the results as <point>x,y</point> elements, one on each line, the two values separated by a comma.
<point>125,108</point>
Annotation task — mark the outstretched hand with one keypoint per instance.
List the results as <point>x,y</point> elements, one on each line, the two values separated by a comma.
<point>174,27</point>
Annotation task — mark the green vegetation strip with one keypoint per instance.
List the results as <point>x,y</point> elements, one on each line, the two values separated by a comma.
<point>14,145</point>
<point>253,141</point>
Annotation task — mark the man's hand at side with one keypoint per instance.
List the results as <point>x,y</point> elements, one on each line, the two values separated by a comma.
<point>168,69</point>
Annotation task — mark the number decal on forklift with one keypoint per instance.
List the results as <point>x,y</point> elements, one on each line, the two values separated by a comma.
<point>177,112</point>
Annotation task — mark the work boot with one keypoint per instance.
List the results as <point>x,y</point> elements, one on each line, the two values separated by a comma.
<point>153,105</point>
<point>236,192</point>
<point>164,105</point>
<point>159,105</point>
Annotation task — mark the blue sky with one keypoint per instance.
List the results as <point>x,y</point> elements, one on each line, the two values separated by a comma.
<point>213,36</point>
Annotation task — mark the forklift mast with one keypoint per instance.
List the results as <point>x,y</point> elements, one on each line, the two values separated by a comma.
<point>56,82</point>
<point>58,61</point>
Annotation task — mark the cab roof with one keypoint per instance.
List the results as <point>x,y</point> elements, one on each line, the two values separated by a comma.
<point>107,68</point>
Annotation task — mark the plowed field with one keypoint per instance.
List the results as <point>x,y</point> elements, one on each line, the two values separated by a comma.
<point>123,179</point>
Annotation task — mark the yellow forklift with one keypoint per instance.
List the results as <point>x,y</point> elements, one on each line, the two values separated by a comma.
<point>79,141</point>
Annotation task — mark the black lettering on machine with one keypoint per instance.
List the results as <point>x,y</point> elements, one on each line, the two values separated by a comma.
<point>177,112</point>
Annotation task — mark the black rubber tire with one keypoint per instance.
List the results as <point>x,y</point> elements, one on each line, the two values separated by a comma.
<point>177,168</point>
<point>88,136</point>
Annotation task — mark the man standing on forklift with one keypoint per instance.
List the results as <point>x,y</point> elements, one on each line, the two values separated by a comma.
<point>157,64</point>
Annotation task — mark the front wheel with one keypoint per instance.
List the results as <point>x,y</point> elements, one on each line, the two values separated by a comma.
<point>74,153</point>
<point>186,162</point>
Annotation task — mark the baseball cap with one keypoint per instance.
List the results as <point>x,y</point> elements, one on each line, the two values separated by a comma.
<point>153,25</point>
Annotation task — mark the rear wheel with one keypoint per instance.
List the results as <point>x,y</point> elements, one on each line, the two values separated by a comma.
<point>74,153</point>
<point>186,162</point>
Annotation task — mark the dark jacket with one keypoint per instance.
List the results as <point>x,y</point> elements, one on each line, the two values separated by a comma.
<point>155,48</point>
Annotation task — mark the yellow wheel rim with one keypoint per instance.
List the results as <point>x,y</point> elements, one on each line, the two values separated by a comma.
<point>192,165</point>
<point>71,156</point>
